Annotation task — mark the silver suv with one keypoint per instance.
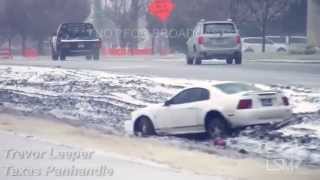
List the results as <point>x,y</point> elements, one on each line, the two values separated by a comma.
<point>214,40</point>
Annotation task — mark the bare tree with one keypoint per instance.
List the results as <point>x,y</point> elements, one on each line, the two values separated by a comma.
<point>37,19</point>
<point>125,15</point>
<point>265,11</point>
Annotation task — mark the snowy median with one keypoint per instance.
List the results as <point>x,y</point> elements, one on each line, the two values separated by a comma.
<point>103,101</point>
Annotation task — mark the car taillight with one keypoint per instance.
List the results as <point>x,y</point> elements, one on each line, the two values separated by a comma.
<point>245,104</point>
<point>238,39</point>
<point>285,101</point>
<point>201,40</point>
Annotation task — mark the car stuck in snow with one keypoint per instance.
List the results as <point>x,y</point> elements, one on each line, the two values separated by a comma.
<point>214,109</point>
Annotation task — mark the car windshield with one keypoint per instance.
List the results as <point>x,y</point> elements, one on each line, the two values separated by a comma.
<point>234,88</point>
<point>214,28</point>
<point>77,32</point>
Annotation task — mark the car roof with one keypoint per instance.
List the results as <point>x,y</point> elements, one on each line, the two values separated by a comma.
<point>216,22</point>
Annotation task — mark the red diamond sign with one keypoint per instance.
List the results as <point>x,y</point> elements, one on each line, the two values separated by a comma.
<point>161,9</point>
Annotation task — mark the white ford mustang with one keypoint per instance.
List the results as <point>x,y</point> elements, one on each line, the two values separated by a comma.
<point>214,109</point>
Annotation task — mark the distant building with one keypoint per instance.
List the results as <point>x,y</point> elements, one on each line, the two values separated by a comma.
<point>314,22</point>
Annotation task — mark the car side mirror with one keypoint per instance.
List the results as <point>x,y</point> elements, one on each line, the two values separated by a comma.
<point>168,103</point>
<point>54,34</point>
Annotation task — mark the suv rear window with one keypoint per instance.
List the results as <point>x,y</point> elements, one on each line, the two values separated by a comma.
<point>77,32</point>
<point>234,88</point>
<point>214,28</point>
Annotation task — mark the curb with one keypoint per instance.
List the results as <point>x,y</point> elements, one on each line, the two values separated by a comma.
<point>286,61</point>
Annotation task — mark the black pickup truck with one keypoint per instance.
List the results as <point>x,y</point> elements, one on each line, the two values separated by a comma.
<point>75,39</point>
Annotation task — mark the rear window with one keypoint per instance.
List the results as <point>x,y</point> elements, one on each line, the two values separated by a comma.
<point>234,88</point>
<point>214,28</point>
<point>77,32</point>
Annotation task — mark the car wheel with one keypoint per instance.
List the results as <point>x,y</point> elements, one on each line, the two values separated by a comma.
<point>189,60</point>
<point>238,58</point>
<point>217,127</point>
<point>145,127</point>
<point>54,56</point>
<point>229,60</point>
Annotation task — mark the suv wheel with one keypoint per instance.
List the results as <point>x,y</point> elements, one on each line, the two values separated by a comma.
<point>217,127</point>
<point>238,58</point>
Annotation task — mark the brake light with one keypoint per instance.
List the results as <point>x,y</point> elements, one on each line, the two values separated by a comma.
<point>238,39</point>
<point>201,40</point>
<point>285,101</point>
<point>245,104</point>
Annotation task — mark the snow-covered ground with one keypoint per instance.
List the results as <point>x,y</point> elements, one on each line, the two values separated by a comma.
<point>26,157</point>
<point>104,101</point>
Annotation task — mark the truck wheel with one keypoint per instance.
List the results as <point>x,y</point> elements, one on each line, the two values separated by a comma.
<point>96,55</point>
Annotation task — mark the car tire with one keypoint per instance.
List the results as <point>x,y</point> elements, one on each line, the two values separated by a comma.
<point>145,127</point>
<point>54,56</point>
<point>217,127</point>
<point>238,58</point>
<point>229,60</point>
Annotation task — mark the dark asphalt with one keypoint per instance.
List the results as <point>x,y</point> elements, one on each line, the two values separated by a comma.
<point>307,75</point>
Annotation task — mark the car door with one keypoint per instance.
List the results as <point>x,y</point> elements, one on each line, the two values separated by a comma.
<point>183,112</point>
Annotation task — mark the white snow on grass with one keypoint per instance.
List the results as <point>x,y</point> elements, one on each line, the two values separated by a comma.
<point>105,100</point>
